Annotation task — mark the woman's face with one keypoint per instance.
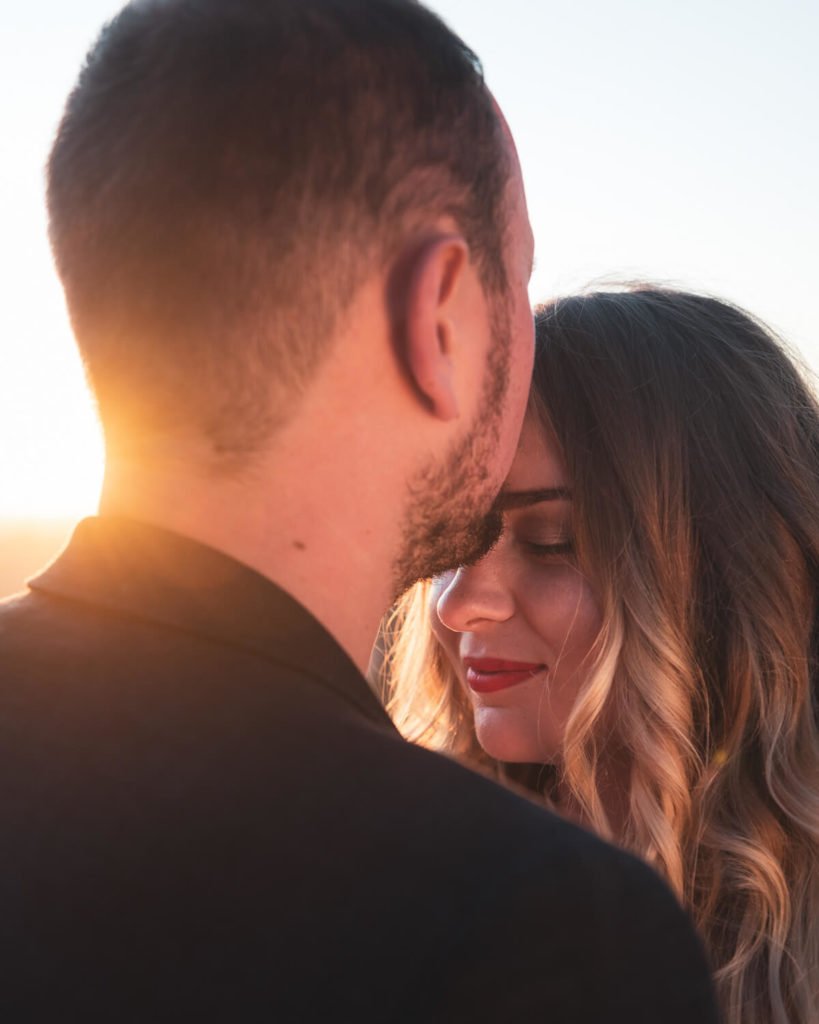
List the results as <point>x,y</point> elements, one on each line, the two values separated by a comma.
<point>519,625</point>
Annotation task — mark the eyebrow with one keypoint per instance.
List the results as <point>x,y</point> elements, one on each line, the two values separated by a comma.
<point>508,500</point>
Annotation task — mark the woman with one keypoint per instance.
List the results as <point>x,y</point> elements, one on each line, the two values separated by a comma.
<point>641,644</point>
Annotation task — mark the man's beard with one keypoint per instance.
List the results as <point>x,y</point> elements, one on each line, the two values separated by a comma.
<point>452,517</point>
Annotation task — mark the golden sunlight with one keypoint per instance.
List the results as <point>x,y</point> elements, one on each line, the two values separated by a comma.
<point>51,459</point>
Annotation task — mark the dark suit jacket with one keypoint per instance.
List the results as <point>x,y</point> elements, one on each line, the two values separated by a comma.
<point>205,814</point>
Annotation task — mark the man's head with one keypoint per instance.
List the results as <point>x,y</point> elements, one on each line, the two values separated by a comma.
<point>228,171</point>
<point>451,518</point>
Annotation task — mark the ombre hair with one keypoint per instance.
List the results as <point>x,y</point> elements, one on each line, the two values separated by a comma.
<point>691,440</point>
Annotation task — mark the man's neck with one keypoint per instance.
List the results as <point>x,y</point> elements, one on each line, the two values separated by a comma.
<point>330,546</point>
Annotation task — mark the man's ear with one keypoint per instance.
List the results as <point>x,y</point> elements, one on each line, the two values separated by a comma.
<point>434,275</point>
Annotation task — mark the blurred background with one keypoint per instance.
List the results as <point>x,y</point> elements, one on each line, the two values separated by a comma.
<point>677,142</point>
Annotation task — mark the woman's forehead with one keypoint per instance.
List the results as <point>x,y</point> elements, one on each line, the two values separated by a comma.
<point>538,462</point>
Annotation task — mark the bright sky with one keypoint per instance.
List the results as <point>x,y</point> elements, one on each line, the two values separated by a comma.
<point>671,140</point>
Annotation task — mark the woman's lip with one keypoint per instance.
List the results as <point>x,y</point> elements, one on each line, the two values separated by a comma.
<point>488,675</point>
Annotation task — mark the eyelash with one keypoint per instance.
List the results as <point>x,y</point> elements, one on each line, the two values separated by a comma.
<point>565,547</point>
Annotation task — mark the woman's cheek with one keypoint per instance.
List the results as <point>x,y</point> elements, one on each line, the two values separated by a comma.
<point>561,606</point>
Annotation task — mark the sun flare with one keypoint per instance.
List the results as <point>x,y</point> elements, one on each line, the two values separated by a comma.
<point>51,458</point>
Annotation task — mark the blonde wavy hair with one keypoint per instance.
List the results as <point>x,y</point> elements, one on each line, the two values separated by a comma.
<point>692,443</point>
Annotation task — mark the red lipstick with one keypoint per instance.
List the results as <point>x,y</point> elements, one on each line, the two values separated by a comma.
<point>488,675</point>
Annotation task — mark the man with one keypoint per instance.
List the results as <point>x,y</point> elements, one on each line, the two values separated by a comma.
<point>295,250</point>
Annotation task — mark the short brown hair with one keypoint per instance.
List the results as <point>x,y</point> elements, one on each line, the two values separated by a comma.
<point>227,171</point>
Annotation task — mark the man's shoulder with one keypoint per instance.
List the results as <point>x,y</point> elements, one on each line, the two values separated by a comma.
<point>611,930</point>
<point>501,826</point>
<point>42,633</point>
<point>26,620</point>
<point>276,775</point>
<point>548,897</point>
<point>16,609</point>
<point>507,845</point>
<point>30,611</point>
<point>472,802</point>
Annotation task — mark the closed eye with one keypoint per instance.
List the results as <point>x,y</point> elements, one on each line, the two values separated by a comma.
<point>565,547</point>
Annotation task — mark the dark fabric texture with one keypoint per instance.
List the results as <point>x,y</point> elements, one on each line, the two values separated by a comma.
<point>205,814</point>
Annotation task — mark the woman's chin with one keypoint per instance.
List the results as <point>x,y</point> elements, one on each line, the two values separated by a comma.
<point>506,734</point>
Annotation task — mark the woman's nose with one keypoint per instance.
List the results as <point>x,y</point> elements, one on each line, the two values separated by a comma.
<point>477,595</point>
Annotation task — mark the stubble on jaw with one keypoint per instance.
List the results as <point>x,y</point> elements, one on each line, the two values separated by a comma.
<point>452,517</point>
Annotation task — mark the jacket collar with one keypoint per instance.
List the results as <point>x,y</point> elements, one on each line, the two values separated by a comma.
<point>144,572</point>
